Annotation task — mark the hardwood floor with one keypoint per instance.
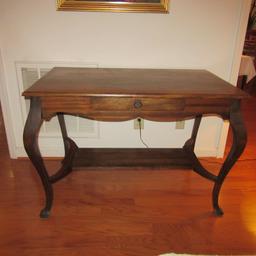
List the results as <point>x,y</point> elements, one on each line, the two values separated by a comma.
<point>129,212</point>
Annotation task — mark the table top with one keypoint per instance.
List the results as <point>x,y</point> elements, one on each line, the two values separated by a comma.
<point>171,83</point>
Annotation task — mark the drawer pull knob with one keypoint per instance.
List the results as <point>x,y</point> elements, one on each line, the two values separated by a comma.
<point>137,104</point>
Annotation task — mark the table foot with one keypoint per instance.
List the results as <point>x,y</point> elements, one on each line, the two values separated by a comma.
<point>44,214</point>
<point>218,212</point>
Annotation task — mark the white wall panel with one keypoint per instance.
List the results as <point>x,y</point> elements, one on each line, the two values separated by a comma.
<point>195,34</point>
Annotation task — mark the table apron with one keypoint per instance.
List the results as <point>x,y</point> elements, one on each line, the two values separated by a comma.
<point>127,108</point>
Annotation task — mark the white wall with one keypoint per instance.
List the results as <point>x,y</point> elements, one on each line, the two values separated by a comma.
<point>195,34</point>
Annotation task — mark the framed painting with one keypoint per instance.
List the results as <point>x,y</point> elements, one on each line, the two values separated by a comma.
<point>160,6</point>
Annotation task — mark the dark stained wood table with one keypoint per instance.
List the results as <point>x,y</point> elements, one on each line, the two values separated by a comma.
<point>125,94</point>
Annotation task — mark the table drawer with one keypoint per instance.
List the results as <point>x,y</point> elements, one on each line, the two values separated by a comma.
<point>94,107</point>
<point>136,104</point>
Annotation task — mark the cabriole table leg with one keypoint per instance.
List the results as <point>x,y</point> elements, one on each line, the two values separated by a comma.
<point>30,139</point>
<point>238,145</point>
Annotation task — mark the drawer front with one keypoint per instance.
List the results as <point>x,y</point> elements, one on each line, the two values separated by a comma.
<point>110,108</point>
<point>136,104</point>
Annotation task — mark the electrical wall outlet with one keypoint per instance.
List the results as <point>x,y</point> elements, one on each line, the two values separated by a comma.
<point>180,125</point>
<point>137,123</point>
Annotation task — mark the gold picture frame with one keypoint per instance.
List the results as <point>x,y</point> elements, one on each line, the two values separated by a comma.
<point>154,6</point>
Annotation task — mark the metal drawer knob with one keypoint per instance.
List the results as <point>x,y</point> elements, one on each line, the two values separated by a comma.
<point>137,104</point>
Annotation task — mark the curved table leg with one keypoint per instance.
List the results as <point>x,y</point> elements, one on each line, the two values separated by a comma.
<point>70,151</point>
<point>189,149</point>
<point>239,142</point>
<point>64,132</point>
<point>30,139</point>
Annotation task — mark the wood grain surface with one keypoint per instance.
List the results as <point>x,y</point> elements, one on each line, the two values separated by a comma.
<point>132,82</point>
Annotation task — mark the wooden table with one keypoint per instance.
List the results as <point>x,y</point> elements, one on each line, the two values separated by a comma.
<point>125,94</point>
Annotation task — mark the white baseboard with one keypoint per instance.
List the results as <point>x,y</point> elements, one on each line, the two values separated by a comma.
<point>207,152</point>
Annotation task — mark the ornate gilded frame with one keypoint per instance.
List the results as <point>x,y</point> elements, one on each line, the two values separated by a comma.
<point>160,6</point>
